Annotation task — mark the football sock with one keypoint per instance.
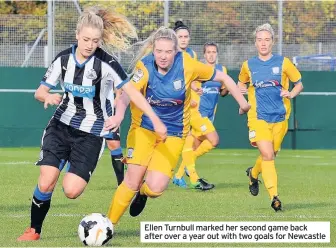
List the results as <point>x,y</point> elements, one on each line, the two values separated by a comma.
<point>189,159</point>
<point>270,178</point>
<point>145,190</point>
<point>203,148</point>
<point>187,151</point>
<point>121,200</point>
<point>180,172</point>
<point>39,208</point>
<point>192,173</point>
<point>256,170</point>
<point>118,165</point>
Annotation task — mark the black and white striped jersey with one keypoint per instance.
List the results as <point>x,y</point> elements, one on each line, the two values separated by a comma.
<point>87,100</point>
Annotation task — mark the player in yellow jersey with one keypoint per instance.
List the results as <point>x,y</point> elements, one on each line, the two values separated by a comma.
<point>183,35</point>
<point>203,135</point>
<point>163,77</point>
<point>268,76</point>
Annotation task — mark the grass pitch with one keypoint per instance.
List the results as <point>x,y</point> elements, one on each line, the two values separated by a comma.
<point>307,189</point>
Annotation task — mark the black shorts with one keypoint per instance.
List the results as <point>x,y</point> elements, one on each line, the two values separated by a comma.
<point>62,143</point>
<point>113,135</point>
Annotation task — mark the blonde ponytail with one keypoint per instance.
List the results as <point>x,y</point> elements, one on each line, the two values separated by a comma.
<point>117,31</point>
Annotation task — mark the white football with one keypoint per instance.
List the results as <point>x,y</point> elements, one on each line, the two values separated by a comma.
<point>95,230</point>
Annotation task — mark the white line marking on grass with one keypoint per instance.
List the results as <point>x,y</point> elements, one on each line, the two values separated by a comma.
<point>255,155</point>
<point>16,163</point>
<point>324,164</point>
<point>53,215</point>
<point>196,217</point>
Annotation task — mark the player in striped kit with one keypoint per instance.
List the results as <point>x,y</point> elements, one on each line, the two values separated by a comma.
<point>75,132</point>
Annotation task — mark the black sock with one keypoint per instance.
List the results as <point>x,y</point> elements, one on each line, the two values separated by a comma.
<point>118,167</point>
<point>39,210</point>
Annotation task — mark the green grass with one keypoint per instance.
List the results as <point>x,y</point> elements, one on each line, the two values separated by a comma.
<point>306,185</point>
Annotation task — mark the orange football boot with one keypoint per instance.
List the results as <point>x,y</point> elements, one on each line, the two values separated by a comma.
<point>29,235</point>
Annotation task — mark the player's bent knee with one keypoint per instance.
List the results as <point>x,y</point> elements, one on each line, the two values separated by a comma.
<point>135,186</point>
<point>113,144</point>
<point>214,142</point>
<point>46,186</point>
<point>268,156</point>
<point>71,194</point>
<point>133,183</point>
<point>152,194</point>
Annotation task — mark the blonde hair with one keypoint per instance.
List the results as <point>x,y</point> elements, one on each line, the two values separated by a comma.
<point>117,31</point>
<point>264,27</point>
<point>147,45</point>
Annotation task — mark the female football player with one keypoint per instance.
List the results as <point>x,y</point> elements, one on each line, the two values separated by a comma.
<point>268,76</point>
<point>75,132</point>
<point>164,77</point>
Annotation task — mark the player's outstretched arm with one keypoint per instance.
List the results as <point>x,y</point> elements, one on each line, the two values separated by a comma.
<point>139,100</point>
<point>42,94</point>
<point>231,86</point>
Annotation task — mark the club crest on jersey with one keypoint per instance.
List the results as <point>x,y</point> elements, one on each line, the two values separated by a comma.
<point>275,70</point>
<point>177,84</point>
<point>91,74</point>
<point>252,134</point>
<point>138,74</point>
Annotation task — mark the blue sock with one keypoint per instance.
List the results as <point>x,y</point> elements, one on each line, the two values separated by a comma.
<point>116,152</point>
<point>39,208</point>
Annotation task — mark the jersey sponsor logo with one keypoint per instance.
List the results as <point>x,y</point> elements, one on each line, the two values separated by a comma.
<point>264,84</point>
<point>275,70</point>
<point>210,90</point>
<point>138,74</point>
<point>166,102</point>
<point>177,84</point>
<point>80,90</point>
<point>91,74</point>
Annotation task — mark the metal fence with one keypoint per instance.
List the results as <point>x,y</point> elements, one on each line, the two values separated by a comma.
<point>303,28</point>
